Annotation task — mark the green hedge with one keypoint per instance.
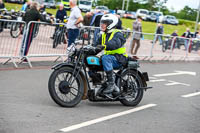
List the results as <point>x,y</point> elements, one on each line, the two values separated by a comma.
<point>186,22</point>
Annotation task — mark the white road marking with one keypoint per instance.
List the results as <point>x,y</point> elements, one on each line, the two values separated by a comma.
<point>87,123</point>
<point>176,83</point>
<point>191,95</point>
<point>152,78</point>
<point>175,73</point>
<point>157,80</point>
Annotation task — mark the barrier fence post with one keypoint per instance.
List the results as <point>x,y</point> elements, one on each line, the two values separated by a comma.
<point>172,46</point>
<point>154,41</point>
<point>10,42</point>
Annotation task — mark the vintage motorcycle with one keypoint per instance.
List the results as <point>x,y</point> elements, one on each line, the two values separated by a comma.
<point>82,77</point>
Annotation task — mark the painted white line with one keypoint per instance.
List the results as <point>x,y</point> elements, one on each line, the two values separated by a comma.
<point>152,78</point>
<point>175,83</point>
<point>176,73</point>
<point>87,123</point>
<point>191,95</point>
<point>157,80</point>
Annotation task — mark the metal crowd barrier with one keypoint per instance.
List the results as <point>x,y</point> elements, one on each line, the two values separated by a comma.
<point>44,40</point>
<point>166,46</point>
<point>17,41</point>
<point>11,36</point>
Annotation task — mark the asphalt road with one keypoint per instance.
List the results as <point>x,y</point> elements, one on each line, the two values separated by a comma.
<point>26,107</point>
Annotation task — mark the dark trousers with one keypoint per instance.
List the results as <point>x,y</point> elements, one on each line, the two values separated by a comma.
<point>72,35</point>
<point>1,26</point>
<point>28,39</point>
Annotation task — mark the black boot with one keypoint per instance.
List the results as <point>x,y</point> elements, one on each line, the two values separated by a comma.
<point>111,86</point>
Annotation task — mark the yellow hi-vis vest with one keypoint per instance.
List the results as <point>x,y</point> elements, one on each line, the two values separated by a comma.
<point>121,50</point>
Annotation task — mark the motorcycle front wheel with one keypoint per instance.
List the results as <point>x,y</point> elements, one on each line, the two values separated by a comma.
<point>130,88</point>
<point>64,88</point>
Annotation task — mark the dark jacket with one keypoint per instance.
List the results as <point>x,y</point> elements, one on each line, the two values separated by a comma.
<point>116,42</point>
<point>34,15</point>
<point>174,34</point>
<point>60,14</point>
<point>2,6</point>
<point>187,34</point>
<point>159,30</point>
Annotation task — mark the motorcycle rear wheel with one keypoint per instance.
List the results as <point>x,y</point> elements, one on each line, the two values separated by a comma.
<point>62,91</point>
<point>130,88</point>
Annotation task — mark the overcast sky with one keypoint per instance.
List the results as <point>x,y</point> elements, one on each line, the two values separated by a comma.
<point>180,4</point>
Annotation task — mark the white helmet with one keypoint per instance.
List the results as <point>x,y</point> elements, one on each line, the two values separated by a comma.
<point>109,19</point>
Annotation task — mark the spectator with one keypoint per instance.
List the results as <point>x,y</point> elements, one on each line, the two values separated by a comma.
<point>60,16</point>
<point>187,35</point>
<point>26,6</point>
<point>137,27</point>
<point>87,18</point>
<point>31,15</point>
<point>197,42</point>
<point>116,9</point>
<point>159,31</point>
<point>73,23</point>
<point>174,39</point>
<point>96,22</point>
<point>61,13</point>
<point>42,8</point>
<point>197,35</point>
<point>2,6</point>
<point>175,33</point>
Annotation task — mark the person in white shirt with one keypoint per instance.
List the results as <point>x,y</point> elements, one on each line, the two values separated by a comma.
<point>73,23</point>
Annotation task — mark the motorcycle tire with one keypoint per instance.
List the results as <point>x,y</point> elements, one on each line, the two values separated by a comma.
<point>60,90</point>
<point>131,79</point>
<point>56,40</point>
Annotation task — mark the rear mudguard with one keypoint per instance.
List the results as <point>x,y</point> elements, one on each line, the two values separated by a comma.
<point>143,75</point>
<point>58,66</point>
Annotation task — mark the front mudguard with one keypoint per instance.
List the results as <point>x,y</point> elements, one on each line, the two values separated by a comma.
<point>66,64</point>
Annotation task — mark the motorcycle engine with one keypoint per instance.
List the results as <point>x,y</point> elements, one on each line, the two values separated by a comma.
<point>96,77</point>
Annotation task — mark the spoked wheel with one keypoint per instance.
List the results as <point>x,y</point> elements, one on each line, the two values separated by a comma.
<point>64,88</point>
<point>131,88</point>
<point>15,30</point>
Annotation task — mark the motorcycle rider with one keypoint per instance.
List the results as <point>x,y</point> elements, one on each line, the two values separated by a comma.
<point>112,41</point>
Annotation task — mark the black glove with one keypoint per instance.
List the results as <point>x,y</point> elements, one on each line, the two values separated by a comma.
<point>91,52</point>
<point>99,48</point>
